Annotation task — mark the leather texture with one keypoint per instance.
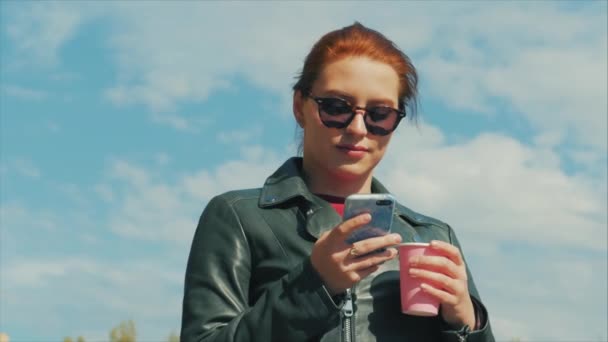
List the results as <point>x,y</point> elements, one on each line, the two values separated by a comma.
<point>249,276</point>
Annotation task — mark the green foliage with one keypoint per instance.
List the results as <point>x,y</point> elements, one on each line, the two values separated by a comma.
<point>173,338</point>
<point>69,339</point>
<point>125,332</point>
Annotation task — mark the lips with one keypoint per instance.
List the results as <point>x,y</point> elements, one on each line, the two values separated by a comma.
<point>355,148</point>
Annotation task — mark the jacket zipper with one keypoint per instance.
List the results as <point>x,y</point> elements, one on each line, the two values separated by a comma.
<point>347,318</point>
<point>463,333</point>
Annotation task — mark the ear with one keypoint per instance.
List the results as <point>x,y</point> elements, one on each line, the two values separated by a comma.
<point>298,107</point>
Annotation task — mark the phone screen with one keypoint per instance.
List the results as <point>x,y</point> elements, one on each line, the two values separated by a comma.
<point>379,206</point>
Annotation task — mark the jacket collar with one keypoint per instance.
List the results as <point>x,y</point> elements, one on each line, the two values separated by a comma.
<point>287,184</point>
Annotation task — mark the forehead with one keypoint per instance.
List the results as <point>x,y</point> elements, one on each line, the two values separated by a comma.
<point>360,78</point>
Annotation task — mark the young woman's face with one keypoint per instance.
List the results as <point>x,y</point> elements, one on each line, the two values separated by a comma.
<point>351,152</point>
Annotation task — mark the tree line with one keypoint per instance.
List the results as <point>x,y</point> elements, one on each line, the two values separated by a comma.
<point>124,332</point>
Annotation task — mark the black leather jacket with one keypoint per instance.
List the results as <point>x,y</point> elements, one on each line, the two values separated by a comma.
<point>249,276</point>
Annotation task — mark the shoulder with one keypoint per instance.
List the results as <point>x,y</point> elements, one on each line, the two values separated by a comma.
<point>426,228</point>
<point>234,196</point>
<point>418,219</point>
<point>231,201</point>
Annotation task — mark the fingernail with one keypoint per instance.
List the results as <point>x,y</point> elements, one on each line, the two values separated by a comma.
<point>396,238</point>
<point>413,272</point>
<point>413,261</point>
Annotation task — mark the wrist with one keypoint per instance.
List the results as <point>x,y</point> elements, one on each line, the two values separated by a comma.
<point>458,317</point>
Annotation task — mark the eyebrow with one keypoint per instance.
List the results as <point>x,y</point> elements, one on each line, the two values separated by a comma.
<point>351,99</point>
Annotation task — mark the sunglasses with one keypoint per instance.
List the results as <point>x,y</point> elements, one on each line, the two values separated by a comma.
<point>335,112</point>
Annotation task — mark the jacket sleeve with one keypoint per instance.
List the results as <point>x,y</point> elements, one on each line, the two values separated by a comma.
<point>217,304</point>
<point>484,333</point>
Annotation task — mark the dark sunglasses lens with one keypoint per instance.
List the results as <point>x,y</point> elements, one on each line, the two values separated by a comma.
<point>377,130</point>
<point>379,114</point>
<point>381,120</point>
<point>334,112</point>
<point>334,106</point>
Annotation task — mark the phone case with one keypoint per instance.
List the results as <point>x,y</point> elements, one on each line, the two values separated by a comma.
<point>379,206</point>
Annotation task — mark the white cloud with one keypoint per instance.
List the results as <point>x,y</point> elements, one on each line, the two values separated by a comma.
<point>23,93</point>
<point>183,123</point>
<point>240,136</point>
<point>53,126</point>
<point>74,193</point>
<point>104,192</point>
<point>151,209</point>
<point>497,188</point>
<point>108,292</point>
<point>546,63</point>
<point>174,121</point>
<point>528,292</point>
<point>162,158</point>
<point>527,228</point>
<point>144,208</point>
<point>132,174</point>
<point>539,59</point>
<point>39,30</point>
<point>26,167</point>
<point>36,273</point>
<point>14,216</point>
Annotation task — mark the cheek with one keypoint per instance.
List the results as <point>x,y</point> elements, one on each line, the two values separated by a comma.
<point>315,129</point>
<point>381,142</point>
<point>381,146</point>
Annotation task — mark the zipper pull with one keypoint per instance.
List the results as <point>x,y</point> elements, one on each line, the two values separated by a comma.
<point>463,333</point>
<point>347,309</point>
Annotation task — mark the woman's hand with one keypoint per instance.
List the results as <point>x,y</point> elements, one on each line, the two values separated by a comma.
<point>337,261</point>
<point>446,279</point>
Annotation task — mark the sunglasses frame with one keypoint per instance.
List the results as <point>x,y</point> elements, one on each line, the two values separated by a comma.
<point>375,130</point>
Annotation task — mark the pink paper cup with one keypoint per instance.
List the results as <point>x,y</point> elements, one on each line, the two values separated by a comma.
<point>414,301</point>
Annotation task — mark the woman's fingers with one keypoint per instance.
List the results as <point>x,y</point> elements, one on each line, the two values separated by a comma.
<point>371,260</point>
<point>448,250</point>
<point>443,296</point>
<point>439,264</point>
<point>344,229</point>
<point>439,280</point>
<point>357,276</point>
<point>373,244</point>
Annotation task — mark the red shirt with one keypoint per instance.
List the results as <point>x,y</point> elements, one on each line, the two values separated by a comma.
<point>336,202</point>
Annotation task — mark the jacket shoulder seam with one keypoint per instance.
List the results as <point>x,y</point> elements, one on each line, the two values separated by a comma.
<point>422,219</point>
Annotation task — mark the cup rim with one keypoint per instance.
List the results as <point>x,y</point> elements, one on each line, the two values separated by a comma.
<point>421,244</point>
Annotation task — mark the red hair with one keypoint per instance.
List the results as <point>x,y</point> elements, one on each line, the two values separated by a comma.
<point>359,41</point>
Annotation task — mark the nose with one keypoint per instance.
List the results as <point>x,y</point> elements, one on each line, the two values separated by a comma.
<point>357,125</point>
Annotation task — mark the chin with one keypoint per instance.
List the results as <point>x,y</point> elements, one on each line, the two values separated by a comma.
<point>350,171</point>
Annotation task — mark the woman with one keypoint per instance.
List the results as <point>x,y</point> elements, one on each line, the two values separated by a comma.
<point>272,264</point>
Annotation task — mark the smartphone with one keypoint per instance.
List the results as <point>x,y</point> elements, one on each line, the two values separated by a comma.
<point>379,206</point>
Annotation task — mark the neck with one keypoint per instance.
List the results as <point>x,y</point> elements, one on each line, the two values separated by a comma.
<point>320,181</point>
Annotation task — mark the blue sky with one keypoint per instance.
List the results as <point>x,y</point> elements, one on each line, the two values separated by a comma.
<point>120,120</point>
